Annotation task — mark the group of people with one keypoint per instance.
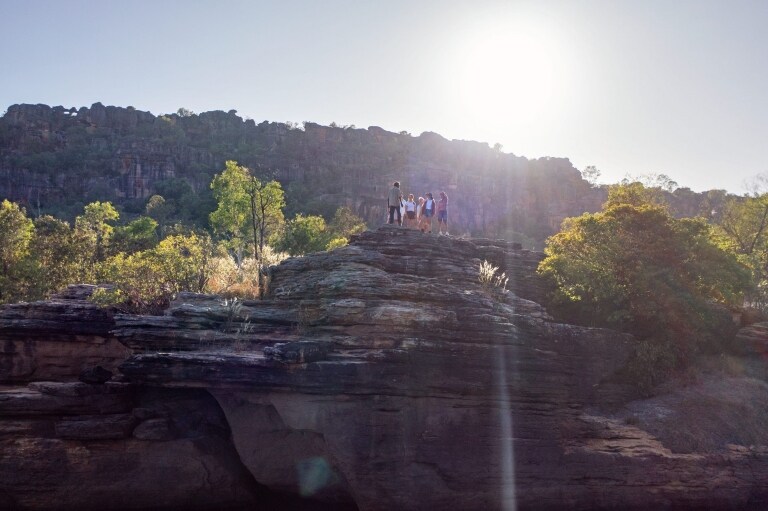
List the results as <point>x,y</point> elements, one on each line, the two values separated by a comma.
<point>418,214</point>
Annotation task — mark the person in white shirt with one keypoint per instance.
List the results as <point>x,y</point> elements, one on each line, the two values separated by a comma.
<point>410,212</point>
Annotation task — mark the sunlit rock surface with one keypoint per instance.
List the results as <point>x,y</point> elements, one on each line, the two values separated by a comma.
<point>381,375</point>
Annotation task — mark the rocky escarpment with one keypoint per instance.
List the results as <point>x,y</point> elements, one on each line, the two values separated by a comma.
<point>382,375</point>
<point>53,157</point>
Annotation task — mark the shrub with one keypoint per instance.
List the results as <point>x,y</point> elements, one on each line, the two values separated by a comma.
<point>488,278</point>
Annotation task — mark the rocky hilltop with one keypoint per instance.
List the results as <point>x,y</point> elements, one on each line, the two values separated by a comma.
<point>379,376</point>
<point>55,159</point>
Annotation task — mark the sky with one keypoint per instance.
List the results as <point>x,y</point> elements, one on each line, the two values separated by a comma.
<point>674,87</point>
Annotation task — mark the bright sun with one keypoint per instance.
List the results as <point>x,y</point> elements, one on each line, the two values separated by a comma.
<point>508,73</point>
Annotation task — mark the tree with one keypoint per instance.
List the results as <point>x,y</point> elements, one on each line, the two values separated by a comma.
<point>148,279</point>
<point>652,180</point>
<point>634,267</point>
<point>743,221</point>
<point>93,223</point>
<point>231,216</point>
<point>60,254</point>
<point>16,233</point>
<point>591,174</point>
<point>266,201</point>
<point>343,225</point>
<point>248,211</point>
<point>159,210</point>
<point>138,235</point>
<point>635,194</point>
<point>302,235</point>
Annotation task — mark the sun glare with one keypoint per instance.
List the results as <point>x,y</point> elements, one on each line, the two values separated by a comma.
<point>510,72</point>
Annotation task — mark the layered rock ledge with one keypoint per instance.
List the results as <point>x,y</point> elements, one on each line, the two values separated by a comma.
<point>381,375</point>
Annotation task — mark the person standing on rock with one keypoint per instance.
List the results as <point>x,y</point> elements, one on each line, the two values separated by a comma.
<point>442,215</point>
<point>394,201</point>
<point>419,212</point>
<point>410,212</point>
<point>428,212</point>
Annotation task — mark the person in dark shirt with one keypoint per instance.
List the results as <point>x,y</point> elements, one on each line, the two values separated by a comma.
<point>394,200</point>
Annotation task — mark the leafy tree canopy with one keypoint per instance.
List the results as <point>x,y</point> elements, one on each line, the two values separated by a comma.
<point>743,223</point>
<point>634,267</point>
<point>302,235</point>
<point>248,211</point>
<point>16,232</point>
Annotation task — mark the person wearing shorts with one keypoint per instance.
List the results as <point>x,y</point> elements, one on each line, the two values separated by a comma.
<point>427,213</point>
<point>410,212</point>
<point>442,215</point>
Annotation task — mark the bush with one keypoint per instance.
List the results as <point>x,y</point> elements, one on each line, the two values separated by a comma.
<point>651,364</point>
<point>149,279</point>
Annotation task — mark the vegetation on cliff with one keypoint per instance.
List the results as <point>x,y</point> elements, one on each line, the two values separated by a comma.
<point>636,268</point>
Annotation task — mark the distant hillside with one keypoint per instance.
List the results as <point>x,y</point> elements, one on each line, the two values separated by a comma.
<point>54,159</point>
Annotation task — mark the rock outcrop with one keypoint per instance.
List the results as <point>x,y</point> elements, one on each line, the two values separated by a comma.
<point>57,339</point>
<point>381,375</point>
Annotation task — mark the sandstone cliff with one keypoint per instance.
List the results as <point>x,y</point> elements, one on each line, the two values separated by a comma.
<point>377,376</point>
<point>52,158</point>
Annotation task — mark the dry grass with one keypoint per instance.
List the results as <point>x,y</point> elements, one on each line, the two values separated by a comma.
<point>247,282</point>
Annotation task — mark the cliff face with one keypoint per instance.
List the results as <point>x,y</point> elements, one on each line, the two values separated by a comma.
<point>381,375</point>
<point>50,157</point>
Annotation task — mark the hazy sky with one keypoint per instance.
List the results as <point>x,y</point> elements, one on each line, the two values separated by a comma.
<point>632,87</point>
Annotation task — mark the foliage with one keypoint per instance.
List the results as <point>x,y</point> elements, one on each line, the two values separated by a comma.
<point>310,233</point>
<point>591,174</point>
<point>159,210</point>
<point>94,224</point>
<point>634,194</point>
<point>248,211</point>
<point>303,234</point>
<point>150,278</point>
<point>345,224</point>
<point>650,365</point>
<point>743,224</point>
<point>16,232</point>
<point>634,267</point>
<point>336,243</point>
<point>140,234</point>
<point>652,180</point>
<point>61,255</point>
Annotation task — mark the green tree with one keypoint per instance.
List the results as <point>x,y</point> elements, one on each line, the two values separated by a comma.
<point>343,225</point>
<point>249,211</point>
<point>635,267</point>
<point>230,220</point>
<point>16,233</point>
<point>266,203</point>
<point>635,194</point>
<point>149,279</point>
<point>94,225</point>
<point>743,221</point>
<point>60,254</point>
<point>159,210</point>
<point>303,234</point>
<point>138,235</point>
